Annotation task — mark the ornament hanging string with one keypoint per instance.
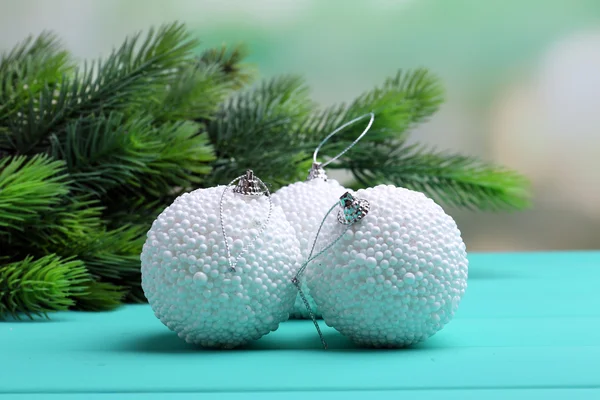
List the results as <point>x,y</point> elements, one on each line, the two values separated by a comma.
<point>346,219</point>
<point>247,185</point>
<point>352,210</point>
<point>339,129</point>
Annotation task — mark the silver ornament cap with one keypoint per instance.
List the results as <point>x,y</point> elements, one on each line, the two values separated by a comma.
<point>249,185</point>
<point>352,209</point>
<point>316,172</point>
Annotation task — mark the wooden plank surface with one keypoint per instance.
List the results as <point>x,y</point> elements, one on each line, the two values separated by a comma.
<point>529,327</point>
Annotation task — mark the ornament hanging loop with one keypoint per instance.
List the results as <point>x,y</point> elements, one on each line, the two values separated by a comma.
<point>250,186</point>
<point>317,169</point>
<point>350,211</point>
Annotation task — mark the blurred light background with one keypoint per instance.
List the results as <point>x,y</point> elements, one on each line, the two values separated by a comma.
<point>522,79</point>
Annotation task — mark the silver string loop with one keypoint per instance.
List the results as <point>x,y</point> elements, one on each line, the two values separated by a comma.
<point>250,186</point>
<point>353,214</point>
<point>347,124</point>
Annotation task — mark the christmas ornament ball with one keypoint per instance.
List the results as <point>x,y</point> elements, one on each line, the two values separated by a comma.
<point>397,276</point>
<point>188,280</point>
<point>305,204</point>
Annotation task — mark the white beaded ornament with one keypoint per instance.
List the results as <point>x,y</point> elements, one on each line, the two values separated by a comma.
<point>219,293</point>
<point>305,204</point>
<point>394,278</point>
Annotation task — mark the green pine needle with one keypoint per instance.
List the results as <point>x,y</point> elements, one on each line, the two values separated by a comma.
<point>181,157</point>
<point>256,130</point>
<point>126,79</point>
<point>32,65</point>
<point>408,98</point>
<point>57,231</point>
<point>132,154</point>
<point>112,254</point>
<point>29,186</point>
<point>34,287</point>
<point>198,89</point>
<point>450,179</point>
<point>229,60</point>
<point>100,296</point>
<point>193,94</point>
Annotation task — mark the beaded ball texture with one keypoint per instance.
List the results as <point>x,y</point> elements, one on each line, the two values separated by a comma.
<point>396,277</point>
<point>187,278</point>
<point>305,204</point>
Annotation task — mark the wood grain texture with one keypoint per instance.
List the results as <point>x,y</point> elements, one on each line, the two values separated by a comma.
<point>528,327</point>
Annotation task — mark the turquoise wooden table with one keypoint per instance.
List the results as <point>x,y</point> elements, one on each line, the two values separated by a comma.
<point>528,328</point>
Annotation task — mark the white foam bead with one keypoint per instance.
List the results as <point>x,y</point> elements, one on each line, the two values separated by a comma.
<point>189,286</point>
<point>305,204</point>
<point>407,290</point>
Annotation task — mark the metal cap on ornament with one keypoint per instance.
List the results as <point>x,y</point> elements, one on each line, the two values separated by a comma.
<point>316,172</point>
<point>352,209</point>
<point>249,185</point>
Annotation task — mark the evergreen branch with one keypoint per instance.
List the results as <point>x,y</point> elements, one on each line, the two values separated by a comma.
<point>104,153</point>
<point>29,186</point>
<point>31,65</point>
<point>450,179</point>
<point>136,295</point>
<point>44,47</point>
<point>408,98</point>
<point>38,286</point>
<point>383,156</point>
<point>57,231</point>
<point>126,79</point>
<point>75,229</point>
<point>256,129</point>
<point>100,296</point>
<point>194,93</point>
<point>140,208</point>
<point>230,62</point>
<point>182,157</point>
<point>112,254</point>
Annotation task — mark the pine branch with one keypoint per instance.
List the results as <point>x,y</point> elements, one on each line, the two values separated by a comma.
<point>75,229</point>
<point>384,157</point>
<point>103,152</point>
<point>451,179</point>
<point>126,79</point>
<point>181,159</point>
<point>136,295</point>
<point>38,286</point>
<point>29,186</point>
<point>112,254</point>
<point>256,129</point>
<point>408,98</point>
<point>230,62</point>
<point>46,47</point>
<point>198,89</point>
<point>194,93</point>
<point>100,296</point>
<point>30,66</point>
<point>132,154</point>
<point>139,210</point>
<point>56,231</point>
